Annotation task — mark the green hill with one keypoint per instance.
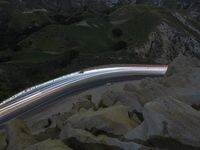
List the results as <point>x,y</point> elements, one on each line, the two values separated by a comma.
<point>37,47</point>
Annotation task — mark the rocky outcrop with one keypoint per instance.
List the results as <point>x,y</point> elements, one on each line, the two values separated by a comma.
<point>19,135</point>
<point>84,139</point>
<point>152,113</point>
<point>126,98</point>
<point>192,6</point>
<point>40,125</point>
<point>186,21</point>
<point>162,110</point>
<point>167,43</point>
<point>84,103</point>
<point>169,118</point>
<point>185,71</point>
<point>113,120</point>
<point>49,145</point>
<point>181,82</point>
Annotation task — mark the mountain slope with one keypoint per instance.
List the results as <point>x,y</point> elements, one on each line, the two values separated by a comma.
<point>191,6</point>
<point>167,33</point>
<point>38,40</point>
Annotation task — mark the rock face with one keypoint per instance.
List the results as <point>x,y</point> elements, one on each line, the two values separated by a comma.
<point>49,145</point>
<point>126,98</point>
<point>168,43</point>
<point>181,82</point>
<point>148,114</point>
<point>88,141</point>
<point>84,103</point>
<point>192,6</point>
<point>19,135</point>
<point>113,120</point>
<point>43,36</point>
<point>169,118</point>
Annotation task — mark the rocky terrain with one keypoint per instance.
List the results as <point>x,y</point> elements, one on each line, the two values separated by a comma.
<point>44,39</point>
<point>149,114</point>
<point>191,6</point>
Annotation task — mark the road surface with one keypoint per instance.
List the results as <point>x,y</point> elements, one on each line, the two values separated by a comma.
<point>64,86</point>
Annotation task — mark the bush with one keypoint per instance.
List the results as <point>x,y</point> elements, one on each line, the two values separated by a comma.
<point>117,32</point>
<point>120,45</point>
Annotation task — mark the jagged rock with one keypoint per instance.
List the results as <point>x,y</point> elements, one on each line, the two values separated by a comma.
<point>109,98</point>
<point>183,72</point>
<point>60,120</point>
<point>49,145</point>
<point>182,64</point>
<point>86,139</point>
<point>3,143</point>
<point>84,103</point>
<point>190,6</point>
<point>181,81</point>
<point>19,135</point>
<point>146,91</point>
<point>167,43</point>
<point>169,118</point>
<point>52,133</point>
<point>180,42</point>
<point>41,124</point>
<point>186,21</point>
<point>113,120</point>
<point>128,99</point>
<point>130,87</point>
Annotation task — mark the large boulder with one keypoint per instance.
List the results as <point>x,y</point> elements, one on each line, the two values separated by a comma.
<point>148,90</point>
<point>79,138</point>
<point>84,102</point>
<point>126,98</point>
<point>19,135</point>
<point>169,118</point>
<point>181,81</point>
<point>40,125</point>
<point>183,71</point>
<point>49,145</point>
<point>113,120</point>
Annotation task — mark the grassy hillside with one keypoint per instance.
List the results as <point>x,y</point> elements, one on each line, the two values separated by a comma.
<point>45,50</point>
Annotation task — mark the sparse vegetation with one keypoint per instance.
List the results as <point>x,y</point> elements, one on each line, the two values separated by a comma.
<point>62,44</point>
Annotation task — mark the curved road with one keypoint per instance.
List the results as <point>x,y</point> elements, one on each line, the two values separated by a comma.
<point>64,86</point>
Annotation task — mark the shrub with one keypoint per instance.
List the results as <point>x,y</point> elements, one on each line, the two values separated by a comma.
<point>117,32</point>
<point>120,45</point>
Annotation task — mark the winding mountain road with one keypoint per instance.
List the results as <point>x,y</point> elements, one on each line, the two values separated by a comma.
<point>51,91</point>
